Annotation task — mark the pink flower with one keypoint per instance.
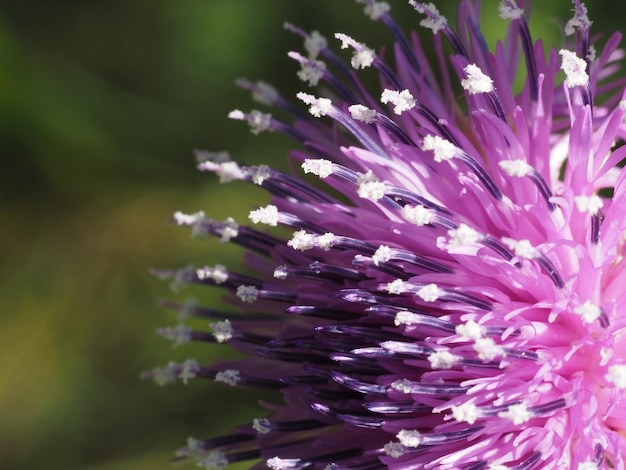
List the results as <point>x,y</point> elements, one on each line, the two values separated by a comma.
<point>457,300</point>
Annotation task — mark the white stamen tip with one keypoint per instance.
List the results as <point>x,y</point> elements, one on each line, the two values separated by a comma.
<point>487,349</point>
<point>617,375</point>
<point>590,204</point>
<point>508,12</point>
<point>521,248</point>
<point>265,215</point>
<point>229,377</point>
<point>261,425</point>
<point>222,330</point>
<point>517,413</point>
<point>302,241</point>
<point>476,82</point>
<point>409,438</point>
<point>429,292</point>
<point>517,168</point>
<point>382,255</point>
<point>395,287</point>
<point>434,20</point>
<point>217,273</point>
<point>362,113</point>
<point>466,413</point>
<point>318,166</point>
<point>404,317</point>
<point>401,100</point>
<point>574,68</point>
<point>419,215</point>
<point>375,10</point>
<point>580,21</point>
<point>589,311</point>
<point>443,149</point>
<point>370,187</point>
<point>237,115</point>
<point>315,43</point>
<point>464,235</point>
<point>363,56</point>
<point>318,106</point>
<point>247,294</point>
<point>393,449</point>
<point>470,330</point>
<point>442,360</point>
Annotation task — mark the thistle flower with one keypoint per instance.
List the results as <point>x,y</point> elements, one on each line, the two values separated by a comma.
<point>457,299</point>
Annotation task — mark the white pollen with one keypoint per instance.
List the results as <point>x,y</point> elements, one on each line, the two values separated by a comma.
<point>587,466</point>
<point>442,360</point>
<point>260,174</point>
<point>521,248</point>
<point>574,68</point>
<point>382,255</point>
<point>409,438</point>
<point>315,43</point>
<point>185,220</point>
<point>476,82</point>
<point>589,311</point>
<point>487,349</point>
<point>247,294</point>
<point>466,413</point>
<point>401,100</point>
<point>497,466</point>
<point>508,12</point>
<point>302,241</point>
<point>214,460</point>
<point>396,287</point>
<point>229,230</point>
<point>261,425</point>
<point>517,413</point>
<point>370,187</point>
<point>429,292</point>
<point>434,20</point>
<point>617,375</point>
<point>229,377</point>
<point>464,235</point>
<point>393,449</point>
<point>419,215</point>
<point>443,149</point>
<point>179,335</point>
<point>216,273</point>
<point>311,70</point>
<point>363,56</point>
<point>222,330</point>
<point>237,115</point>
<point>403,386</point>
<point>189,370</point>
<point>229,171</point>
<point>280,272</point>
<point>403,317</point>
<point>276,463</point>
<point>362,113</point>
<point>470,330</point>
<point>259,121</point>
<point>517,168</point>
<point>265,215</point>
<point>580,21</point>
<point>590,204</point>
<point>375,10</point>
<point>318,166</point>
<point>318,106</point>
<point>326,241</point>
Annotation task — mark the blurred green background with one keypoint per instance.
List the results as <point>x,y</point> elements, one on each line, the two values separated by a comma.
<point>101,104</point>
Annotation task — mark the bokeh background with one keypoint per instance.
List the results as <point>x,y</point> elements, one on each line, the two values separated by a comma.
<point>101,105</point>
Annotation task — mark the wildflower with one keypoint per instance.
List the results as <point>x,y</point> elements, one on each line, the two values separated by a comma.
<point>462,306</point>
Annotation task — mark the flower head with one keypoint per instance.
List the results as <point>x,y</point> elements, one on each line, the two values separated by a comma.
<point>462,305</point>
